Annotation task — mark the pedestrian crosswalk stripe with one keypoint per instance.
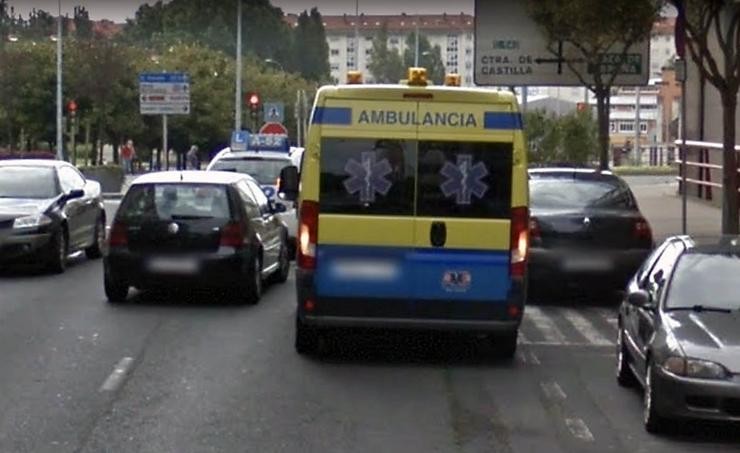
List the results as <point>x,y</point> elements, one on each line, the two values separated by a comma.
<point>585,327</point>
<point>566,326</point>
<point>545,325</point>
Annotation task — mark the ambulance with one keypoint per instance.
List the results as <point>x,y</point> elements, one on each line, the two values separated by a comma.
<point>412,211</point>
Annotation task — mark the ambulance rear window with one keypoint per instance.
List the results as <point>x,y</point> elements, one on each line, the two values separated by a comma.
<point>464,179</point>
<point>367,176</point>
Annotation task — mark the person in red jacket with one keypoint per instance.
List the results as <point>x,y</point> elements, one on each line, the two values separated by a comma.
<point>128,154</point>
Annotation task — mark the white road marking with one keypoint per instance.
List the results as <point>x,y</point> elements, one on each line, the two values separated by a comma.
<point>115,379</point>
<point>533,358</point>
<point>610,316</point>
<point>579,429</point>
<point>553,391</point>
<point>545,325</point>
<point>585,327</point>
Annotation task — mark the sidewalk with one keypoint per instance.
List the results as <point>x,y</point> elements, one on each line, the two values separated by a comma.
<point>661,205</point>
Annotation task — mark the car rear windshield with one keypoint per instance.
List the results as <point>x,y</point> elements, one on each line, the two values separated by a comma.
<point>28,182</point>
<point>554,192</point>
<point>406,178</point>
<point>705,279</point>
<point>265,170</point>
<point>175,202</point>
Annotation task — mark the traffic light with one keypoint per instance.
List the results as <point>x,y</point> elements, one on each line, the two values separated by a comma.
<point>254,104</point>
<point>72,108</point>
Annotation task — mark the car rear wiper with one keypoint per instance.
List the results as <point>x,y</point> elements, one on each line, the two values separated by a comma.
<point>700,308</point>
<point>191,217</point>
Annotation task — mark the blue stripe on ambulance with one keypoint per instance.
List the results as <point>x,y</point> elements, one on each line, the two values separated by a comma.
<point>341,116</point>
<point>420,274</point>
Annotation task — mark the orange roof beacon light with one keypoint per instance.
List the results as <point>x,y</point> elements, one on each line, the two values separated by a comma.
<point>417,77</point>
<point>452,80</point>
<point>354,78</point>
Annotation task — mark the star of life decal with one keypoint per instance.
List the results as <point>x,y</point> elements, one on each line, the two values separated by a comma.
<point>464,180</point>
<point>368,177</point>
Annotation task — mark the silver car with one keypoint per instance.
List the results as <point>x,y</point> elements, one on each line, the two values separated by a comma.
<point>679,332</point>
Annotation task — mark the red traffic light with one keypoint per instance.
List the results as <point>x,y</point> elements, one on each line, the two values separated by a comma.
<point>72,106</point>
<point>253,100</point>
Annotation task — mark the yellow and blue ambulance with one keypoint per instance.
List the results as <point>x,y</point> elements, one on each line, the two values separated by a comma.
<point>413,211</point>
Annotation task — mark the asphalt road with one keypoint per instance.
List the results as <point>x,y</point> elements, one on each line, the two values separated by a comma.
<point>192,373</point>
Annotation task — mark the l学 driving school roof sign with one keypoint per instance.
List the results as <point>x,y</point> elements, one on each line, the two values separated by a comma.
<point>511,50</point>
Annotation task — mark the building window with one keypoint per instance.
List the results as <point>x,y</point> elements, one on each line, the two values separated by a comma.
<point>626,127</point>
<point>368,52</point>
<point>643,127</point>
<point>612,127</point>
<point>468,51</point>
<point>468,80</point>
<point>335,66</point>
<point>468,65</point>
<point>334,52</point>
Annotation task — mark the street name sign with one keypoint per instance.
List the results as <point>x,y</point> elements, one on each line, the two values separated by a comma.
<point>164,94</point>
<point>511,50</point>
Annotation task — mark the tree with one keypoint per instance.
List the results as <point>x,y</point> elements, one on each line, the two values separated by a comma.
<point>385,64</point>
<point>713,38</point>
<point>429,57</point>
<point>593,29</point>
<point>83,24</point>
<point>568,139</point>
<point>311,52</point>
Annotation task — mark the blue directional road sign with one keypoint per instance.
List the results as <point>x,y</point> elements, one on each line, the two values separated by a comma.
<point>239,140</point>
<point>164,93</point>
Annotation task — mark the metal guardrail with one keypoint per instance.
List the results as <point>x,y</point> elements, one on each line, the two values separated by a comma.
<point>704,183</point>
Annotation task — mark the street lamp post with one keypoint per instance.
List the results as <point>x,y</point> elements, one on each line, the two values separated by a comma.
<point>238,91</point>
<point>59,151</point>
<point>276,63</point>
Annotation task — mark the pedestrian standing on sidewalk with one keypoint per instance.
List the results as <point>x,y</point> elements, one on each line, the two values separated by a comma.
<point>193,160</point>
<point>128,154</point>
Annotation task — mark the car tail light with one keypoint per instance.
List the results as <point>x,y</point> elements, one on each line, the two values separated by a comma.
<point>232,235</point>
<point>519,241</point>
<point>118,235</point>
<point>642,231</point>
<point>534,229</point>
<point>308,234</point>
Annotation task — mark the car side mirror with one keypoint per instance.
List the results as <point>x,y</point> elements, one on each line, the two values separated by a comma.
<point>288,187</point>
<point>74,194</point>
<point>639,299</point>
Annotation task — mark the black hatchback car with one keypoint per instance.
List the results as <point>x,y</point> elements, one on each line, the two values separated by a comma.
<point>586,229</point>
<point>679,332</point>
<point>197,229</point>
<point>48,210</point>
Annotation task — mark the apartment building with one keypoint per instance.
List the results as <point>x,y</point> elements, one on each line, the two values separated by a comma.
<point>350,40</point>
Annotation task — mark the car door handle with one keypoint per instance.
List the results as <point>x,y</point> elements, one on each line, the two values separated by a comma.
<point>438,234</point>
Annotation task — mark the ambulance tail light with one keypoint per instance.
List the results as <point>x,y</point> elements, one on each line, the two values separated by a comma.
<point>519,241</point>
<point>354,78</point>
<point>417,77</point>
<point>308,234</point>
<point>452,80</point>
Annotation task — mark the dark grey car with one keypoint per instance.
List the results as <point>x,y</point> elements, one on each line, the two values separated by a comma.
<point>679,332</point>
<point>586,229</point>
<point>47,211</point>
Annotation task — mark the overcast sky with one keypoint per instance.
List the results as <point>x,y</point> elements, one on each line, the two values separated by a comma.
<point>119,10</point>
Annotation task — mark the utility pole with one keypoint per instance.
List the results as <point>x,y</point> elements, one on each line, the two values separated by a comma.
<point>60,140</point>
<point>238,90</point>
<point>357,34</point>
<point>637,126</point>
<point>416,51</point>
